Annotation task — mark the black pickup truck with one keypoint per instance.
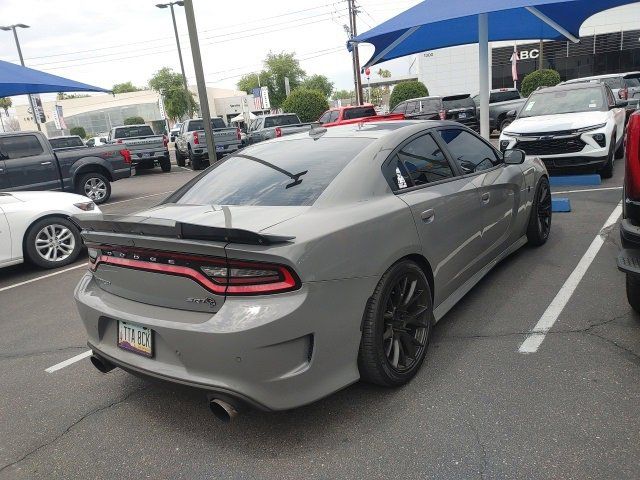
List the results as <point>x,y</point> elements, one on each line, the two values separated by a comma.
<point>629,258</point>
<point>27,162</point>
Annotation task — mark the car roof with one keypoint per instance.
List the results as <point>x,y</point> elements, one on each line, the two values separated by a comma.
<point>598,77</point>
<point>65,136</point>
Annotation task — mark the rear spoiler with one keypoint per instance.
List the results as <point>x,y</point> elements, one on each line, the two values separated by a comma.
<point>158,227</point>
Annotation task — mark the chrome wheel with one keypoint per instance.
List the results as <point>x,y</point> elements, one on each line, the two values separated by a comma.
<point>544,210</point>
<point>406,322</point>
<point>95,188</point>
<point>55,243</point>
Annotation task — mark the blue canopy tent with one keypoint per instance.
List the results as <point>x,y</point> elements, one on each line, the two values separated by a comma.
<point>18,80</point>
<point>434,24</point>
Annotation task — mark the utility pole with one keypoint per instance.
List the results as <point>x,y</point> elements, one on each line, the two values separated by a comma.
<point>202,87</point>
<point>34,110</point>
<point>175,30</point>
<point>353,32</point>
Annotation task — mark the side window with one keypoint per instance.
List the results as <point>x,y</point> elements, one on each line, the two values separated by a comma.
<point>324,118</point>
<point>469,152</point>
<point>400,108</point>
<point>413,108</point>
<point>610,98</point>
<point>20,146</point>
<point>422,161</point>
<point>333,116</point>
<point>91,142</point>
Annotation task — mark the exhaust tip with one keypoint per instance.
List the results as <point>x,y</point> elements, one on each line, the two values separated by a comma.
<point>102,365</point>
<point>224,411</point>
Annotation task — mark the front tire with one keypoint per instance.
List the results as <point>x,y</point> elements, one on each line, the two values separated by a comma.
<point>180,159</point>
<point>539,226</point>
<point>633,292</point>
<point>505,123</point>
<point>165,164</point>
<point>396,326</point>
<point>95,186</point>
<point>607,170</point>
<point>52,242</point>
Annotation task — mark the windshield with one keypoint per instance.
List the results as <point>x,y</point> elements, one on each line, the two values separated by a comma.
<point>291,173</point>
<point>280,121</point>
<point>359,112</point>
<point>564,101</point>
<point>66,142</point>
<point>131,132</point>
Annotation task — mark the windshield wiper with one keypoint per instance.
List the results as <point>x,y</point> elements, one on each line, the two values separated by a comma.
<point>293,176</point>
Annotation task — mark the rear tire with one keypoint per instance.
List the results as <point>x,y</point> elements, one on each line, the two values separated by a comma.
<point>505,123</point>
<point>196,162</point>
<point>165,164</point>
<point>95,186</point>
<point>179,158</point>
<point>539,226</point>
<point>633,292</point>
<point>607,170</point>
<point>52,242</point>
<point>396,326</point>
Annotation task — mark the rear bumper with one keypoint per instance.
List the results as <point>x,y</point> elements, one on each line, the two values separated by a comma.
<point>121,173</point>
<point>142,158</point>
<point>202,151</point>
<point>275,352</point>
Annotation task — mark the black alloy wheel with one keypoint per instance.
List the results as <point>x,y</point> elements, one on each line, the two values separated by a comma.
<point>396,326</point>
<point>540,221</point>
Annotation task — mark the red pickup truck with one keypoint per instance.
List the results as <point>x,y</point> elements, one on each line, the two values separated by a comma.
<point>354,114</point>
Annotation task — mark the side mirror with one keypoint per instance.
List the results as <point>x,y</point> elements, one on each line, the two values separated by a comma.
<point>514,156</point>
<point>621,104</point>
<point>512,113</point>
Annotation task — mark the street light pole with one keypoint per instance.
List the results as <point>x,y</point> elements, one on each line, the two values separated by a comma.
<point>202,87</point>
<point>15,35</point>
<point>175,31</point>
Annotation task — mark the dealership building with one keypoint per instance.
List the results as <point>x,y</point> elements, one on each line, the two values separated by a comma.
<point>97,114</point>
<point>609,43</point>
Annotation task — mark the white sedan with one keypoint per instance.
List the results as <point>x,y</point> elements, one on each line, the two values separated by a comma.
<point>36,226</point>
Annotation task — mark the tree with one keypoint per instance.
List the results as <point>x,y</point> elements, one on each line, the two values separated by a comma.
<point>342,94</point>
<point>539,78</point>
<point>5,104</point>
<point>252,80</point>
<point>318,82</point>
<point>177,101</point>
<point>78,131</point>
<point>124,88</point>
<point>407,90</point>
<point>307,104</point>
<point>69,96</point>
<point>383,73</point>
<point>134,121</point>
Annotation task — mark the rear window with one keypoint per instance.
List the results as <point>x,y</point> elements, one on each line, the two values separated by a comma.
<point>504,96</point>
<point>359,112</point>
<point>280,121</point>
<point>67,142</point>
<point>632,81</point>
<point>267,180</point>
<point>451,103</point>
<point>131,132</point>
<point>196,125</point>
<point>19,147</point>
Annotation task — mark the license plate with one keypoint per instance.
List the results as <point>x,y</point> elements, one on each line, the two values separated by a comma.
<point>462,115</point>
<point>219,148</point>
<point>135,339</point>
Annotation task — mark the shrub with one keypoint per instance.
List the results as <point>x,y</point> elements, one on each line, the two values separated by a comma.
<point>78,131</point>
<point>407,90</point>
<point>539,78</point>
<point>307,104</point>
<point>134,121</point>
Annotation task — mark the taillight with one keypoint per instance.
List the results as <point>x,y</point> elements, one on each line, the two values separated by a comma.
<point>238,135</point>
<point>165,141</point>
<point>443,115</point>
<point>119,141</point>
<point>218,275</point>
<point>196,138</point>
<point>632,171</point>
<point>623,93</point>
<point>126,155</point>
<point>278,132</point>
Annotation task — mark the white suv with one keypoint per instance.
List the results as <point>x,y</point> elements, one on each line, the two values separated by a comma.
<point>570,125</point>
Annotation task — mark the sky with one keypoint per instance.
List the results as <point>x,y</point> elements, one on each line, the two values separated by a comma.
<point>103,43</point>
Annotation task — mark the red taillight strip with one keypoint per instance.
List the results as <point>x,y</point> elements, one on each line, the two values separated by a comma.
<point>162,268</point>
<point>289,283</point>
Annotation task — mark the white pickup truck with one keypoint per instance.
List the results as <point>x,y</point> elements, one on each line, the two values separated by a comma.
<point>191,143</point>
<point>147,149</point>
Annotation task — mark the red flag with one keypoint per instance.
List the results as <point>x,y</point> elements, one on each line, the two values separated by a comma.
<point>514,63</point>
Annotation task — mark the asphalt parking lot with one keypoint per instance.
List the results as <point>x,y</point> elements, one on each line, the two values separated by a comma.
<point>479,408</point>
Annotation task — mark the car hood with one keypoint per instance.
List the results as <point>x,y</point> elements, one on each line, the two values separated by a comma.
<point>46,196</point>
<point>554,123</point>
<point>244,217</point>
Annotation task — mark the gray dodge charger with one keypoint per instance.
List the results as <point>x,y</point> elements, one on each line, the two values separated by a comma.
<point>297,266</point>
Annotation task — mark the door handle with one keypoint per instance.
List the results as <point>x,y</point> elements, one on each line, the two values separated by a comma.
<point>45,163</point>
<point>486,197</point>
<point>428,216</point>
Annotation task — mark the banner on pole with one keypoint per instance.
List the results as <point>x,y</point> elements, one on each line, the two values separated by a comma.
<point>58,118</point>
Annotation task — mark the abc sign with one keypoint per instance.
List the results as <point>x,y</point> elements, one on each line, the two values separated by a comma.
<point>529,54</point>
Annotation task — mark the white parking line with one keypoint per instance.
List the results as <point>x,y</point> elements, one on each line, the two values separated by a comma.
<point>68,362</point>
<point>588,190</point>
<point>42,277</point>
<point>136,198</point>
<point>553,311</point>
